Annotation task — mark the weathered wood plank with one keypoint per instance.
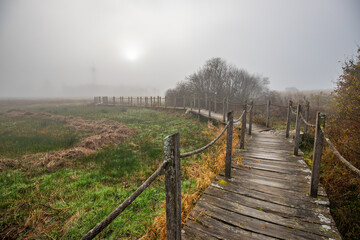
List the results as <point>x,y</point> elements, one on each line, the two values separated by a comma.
<point>306,229</point>
<point>285,211</point>
<point>267,198</point>
<point>222,230</point>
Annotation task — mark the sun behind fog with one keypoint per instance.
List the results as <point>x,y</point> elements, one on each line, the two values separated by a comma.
<point>131,53</point>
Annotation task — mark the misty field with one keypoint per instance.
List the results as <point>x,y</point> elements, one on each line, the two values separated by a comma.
<point>65,200</point>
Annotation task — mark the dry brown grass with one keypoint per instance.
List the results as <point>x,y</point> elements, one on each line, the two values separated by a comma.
<point>103,133</point>
<point>204,172</point>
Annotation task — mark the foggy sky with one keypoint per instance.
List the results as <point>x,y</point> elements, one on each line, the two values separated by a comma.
<point>111,47</point>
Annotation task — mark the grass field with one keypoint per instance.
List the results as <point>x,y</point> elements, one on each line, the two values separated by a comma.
<point>66,202</point>
<point>19,136</point>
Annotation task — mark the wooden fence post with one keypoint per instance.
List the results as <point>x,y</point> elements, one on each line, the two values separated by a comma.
<point>243,128</point>
<point>191,104</point>
<point>227,104</point>
<point>268,113</point>
<point>297,133</point>
<point>307,109</point>
<point>215,104</point>
<point>173,186</point>
<point>206,101</point>
<point>165,102</point>
<point>288,122</point>
<point>318,145</point>
<point>184,102</point>
<point>199,107</point>
<point>251,116</point>
<point>224,119</point>
<point>229,137</point>
<point>175,102</point>
<point>209,105</point>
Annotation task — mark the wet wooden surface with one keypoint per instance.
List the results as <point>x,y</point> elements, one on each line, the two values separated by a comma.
<point>266,197</point>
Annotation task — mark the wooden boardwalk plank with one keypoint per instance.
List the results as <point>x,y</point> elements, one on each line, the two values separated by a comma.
<point>266,198</point>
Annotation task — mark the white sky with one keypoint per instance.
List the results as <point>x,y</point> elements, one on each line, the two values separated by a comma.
<point>48,45</point>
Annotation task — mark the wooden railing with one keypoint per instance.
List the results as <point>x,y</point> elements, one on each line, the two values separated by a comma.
<point>172,155</point>
<point>171,164</point>
<point>320,133</point>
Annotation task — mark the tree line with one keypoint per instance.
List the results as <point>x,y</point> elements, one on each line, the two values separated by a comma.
<point>217,79</point>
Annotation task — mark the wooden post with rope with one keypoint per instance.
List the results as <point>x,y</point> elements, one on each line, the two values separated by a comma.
<point>199,107</point>
<point>243,127</point>
<point>288,121</point>
<point>229,137</point>
<point>268,113</point>
<point>209,105</point>
<point>224,118</point>
<point>307,109</point>
<point>316,161</point>
<point>251,116</point>
<point>297,133</point>
<point>173,186</point>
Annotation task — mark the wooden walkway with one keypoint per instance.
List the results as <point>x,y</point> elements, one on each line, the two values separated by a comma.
<point>267,198</point>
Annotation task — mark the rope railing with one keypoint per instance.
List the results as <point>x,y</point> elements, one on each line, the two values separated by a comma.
<point>292,111</point>
<point>306,122</point>
<point>206,146</point>
<point>260,105</point>
<point>171,165</point>
<point>251,107</point>
<point>111,217</point>
<point>337,153</point>
<point>278,105</point>
<point>240,118</point>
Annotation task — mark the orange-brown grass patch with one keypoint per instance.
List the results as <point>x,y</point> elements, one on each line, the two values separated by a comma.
<point>104,133</point>
<point>203,169</point>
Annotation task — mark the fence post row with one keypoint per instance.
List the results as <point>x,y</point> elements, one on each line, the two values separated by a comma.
<point>251,116</point>
<point>229,137</point>
<point>316,161</point>
<point>288,122</point>
<point>173,186</point>
<point>297,133</point>
<point>243,128</point>
<point>268,113</point>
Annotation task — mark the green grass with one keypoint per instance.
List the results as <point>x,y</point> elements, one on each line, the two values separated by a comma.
<point>69,201</point>
<point>19,136</point>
